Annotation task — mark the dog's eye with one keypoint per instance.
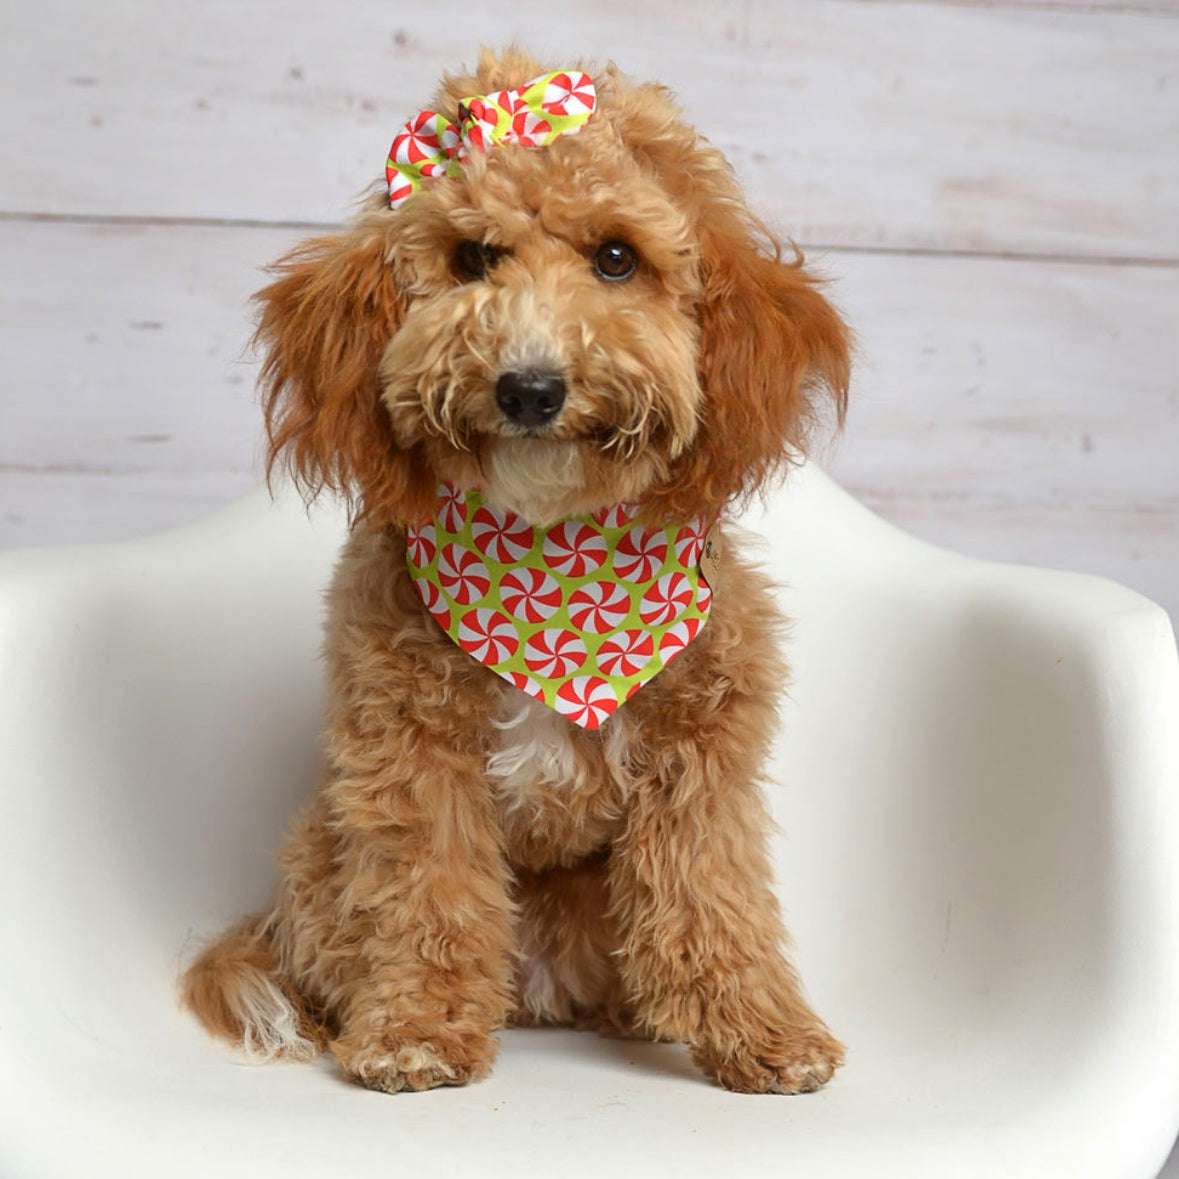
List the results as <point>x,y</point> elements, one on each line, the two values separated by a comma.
<point>615,261</point>
<point>475,259</point>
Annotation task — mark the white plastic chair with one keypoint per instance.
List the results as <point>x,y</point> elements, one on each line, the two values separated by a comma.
<point>979,859</point>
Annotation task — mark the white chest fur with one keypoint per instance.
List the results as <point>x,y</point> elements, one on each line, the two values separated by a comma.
<point>554,781</point>
<point>534,751</point>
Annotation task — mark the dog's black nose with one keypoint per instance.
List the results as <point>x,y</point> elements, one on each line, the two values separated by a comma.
<point>530,398</point>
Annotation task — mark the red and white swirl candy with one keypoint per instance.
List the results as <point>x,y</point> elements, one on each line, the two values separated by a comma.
<point>530,594</point>
<point>689,542</point>
<point>587,699</point>
<point>640,553</point>
<point>615,515</point>
<point>525,683</point>
<point>501,536</point>
<point>529,129</point>
<point>488,635</point>
<point>421,544</point>
<point>574,549</point>
<point>598,607</point>
<point>434,600</point>
<point>666,600</point>
<point>626,653</point>
<point>462,574</point>
<point>554,653</point>
<point>570,94</point>
<point>677,637</point>
<point>452,507</point>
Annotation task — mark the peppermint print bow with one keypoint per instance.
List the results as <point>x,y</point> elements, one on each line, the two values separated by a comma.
<point>534,115</point>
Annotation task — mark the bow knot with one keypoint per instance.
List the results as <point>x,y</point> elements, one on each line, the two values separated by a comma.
<point>533,115</point>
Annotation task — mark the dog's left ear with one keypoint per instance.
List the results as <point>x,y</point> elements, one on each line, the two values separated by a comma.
<point>773,355</point>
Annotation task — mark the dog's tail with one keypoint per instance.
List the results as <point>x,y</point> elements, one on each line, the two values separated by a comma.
<point>237,990</point>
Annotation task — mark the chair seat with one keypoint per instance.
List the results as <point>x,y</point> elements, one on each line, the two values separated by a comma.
<point>978,858</point>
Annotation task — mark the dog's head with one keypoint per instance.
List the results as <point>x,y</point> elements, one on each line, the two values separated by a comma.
<point>596,320</point>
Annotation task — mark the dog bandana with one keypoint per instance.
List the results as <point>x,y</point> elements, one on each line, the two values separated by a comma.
<point>580,615</point>
<point>534,115</point>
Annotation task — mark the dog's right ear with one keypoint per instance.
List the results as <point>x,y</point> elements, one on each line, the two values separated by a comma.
<point>324,323</point>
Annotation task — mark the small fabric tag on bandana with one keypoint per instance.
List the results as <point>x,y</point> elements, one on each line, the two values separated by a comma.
<point>580,614</point>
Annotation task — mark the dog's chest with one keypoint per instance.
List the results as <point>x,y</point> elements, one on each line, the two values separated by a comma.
<point>559,791</point>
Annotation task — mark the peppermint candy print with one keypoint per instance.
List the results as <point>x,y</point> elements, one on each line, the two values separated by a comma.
<point>424,141</point>
<point>452,508</point>
<point>479,119</point>
<point>640,553</point>
<point>689,542</point>
<point>615,515</point>
<point>421,545</point>
<point>555,654</point>
<point>401,185</point>
<point>500,536</point>
<point>434,600</point>
<point>579,615</point>
<point>599,607</point>
<point>488,635</point>
<point>569,94</point>
<point>530,595</point>
<point>510,101</point>
<point>429,145</point>
<point>525,683</point>
<point>422,150</point>
<point>574,549</point>
<point>666,600</point>
<point>626,653</point>
<point>462,575</point>
<point>587,700</point>
<point>677,637</point>
<point>529,129</point>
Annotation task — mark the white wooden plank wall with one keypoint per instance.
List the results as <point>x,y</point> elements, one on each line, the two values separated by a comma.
<point>992,187</point>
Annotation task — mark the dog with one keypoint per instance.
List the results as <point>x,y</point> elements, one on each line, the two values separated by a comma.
<point>540,366</point>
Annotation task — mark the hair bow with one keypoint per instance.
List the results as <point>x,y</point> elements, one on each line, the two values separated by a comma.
<point>429,145</point>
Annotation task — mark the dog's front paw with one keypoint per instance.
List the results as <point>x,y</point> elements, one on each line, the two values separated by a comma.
<point>795,1060</point>
<point>394,1064</point>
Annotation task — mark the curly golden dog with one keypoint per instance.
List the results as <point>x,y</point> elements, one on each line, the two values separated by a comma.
<point>560,330</point>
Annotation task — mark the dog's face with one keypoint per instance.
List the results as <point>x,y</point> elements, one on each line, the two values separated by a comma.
<point>564,327</point>
<point>548,347</point>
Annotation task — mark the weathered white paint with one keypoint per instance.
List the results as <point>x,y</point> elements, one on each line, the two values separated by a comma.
<point>131,343</point>
<point>970,127</point>
<point>1012,382</point>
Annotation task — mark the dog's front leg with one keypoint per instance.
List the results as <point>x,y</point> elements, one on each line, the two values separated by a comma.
<point>424,942</point>
<point>702,953</point>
